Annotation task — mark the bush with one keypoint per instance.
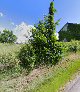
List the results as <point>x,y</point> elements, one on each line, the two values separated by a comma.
<point>8,61</point>
<point>46,56</point>
<point>27,57</point>
<point>73,46</point>
<point>34,57</point>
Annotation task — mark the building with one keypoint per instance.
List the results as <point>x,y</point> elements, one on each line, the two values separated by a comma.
<point>70,31</point>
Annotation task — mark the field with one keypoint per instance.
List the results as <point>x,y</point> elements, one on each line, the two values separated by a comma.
<point>13,78</point>
<point>8,59</point>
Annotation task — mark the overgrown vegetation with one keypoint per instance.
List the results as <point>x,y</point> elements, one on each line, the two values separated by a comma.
<point>27,57</point>
<point>42,49</point>
<point>72,46</point>
<point>10,66</point>
<point>9,63</point>
<point>62,73</point>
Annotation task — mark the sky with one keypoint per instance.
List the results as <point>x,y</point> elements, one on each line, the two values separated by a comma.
<point>14,12</point>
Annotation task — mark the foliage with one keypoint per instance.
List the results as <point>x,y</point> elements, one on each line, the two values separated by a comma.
<point>8,57</point>
<point>42,48</point>
<point>62,73</point>
<point>59,74</point>
<point>7,37</point>
<point>73,46</point>
<point>44,38</point>
<point>27,57</point>
<point>8,61</point>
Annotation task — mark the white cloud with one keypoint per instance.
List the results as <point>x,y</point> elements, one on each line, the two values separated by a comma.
<point>23,32</point>
<point>1,14</point>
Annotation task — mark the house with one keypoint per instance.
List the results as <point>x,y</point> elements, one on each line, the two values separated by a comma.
<point>70,31</point>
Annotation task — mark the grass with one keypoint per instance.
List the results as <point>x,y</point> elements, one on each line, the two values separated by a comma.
<point>62,73</point>
<point>9,67</point>
<point>49,81</point>
<point>9,48</point>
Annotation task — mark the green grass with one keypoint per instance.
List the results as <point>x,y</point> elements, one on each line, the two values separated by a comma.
<point>62,73</point>
<point>8,57</point>
<point>59,75</point>
<point>9,48</point>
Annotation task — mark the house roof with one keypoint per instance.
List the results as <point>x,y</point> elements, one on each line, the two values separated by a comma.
<point>69,24</point>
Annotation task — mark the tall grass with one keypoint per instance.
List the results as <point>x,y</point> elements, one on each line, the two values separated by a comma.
<point>62,73</point>
<point>9,63</point>
<point>59,75</point>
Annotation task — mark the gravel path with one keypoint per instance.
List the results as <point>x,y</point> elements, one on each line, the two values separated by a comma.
<point>73,86</point>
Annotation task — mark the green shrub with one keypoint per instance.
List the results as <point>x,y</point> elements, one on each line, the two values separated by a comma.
<point>73,46</point>
<point>31,57</point>
<point>46,56</point>
<point>8,56</point>
<point>27,57</point>
<point>8,61</point>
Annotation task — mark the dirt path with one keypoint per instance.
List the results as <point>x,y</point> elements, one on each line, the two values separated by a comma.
<point>74,85</point>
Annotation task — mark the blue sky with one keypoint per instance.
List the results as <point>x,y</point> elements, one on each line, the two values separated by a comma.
<point>13,12</point>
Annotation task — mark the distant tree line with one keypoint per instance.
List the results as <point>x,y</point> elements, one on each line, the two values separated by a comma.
<point>7,37</point>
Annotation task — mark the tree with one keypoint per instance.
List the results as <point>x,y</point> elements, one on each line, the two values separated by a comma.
<point>50,25</point>
<point>7,37</point>
<point>44,39</point>
<point>43,48</point>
